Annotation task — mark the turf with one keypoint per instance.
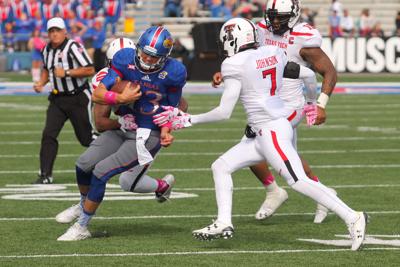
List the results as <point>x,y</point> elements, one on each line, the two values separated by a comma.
<point>356,152</point>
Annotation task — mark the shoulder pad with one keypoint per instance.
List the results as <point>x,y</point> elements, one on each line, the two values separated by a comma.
<point>307,35</point>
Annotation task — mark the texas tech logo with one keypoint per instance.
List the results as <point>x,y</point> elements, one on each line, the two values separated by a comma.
<point>228,29</point>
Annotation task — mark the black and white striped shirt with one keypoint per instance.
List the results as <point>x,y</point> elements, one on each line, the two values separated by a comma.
<point>69,55</point>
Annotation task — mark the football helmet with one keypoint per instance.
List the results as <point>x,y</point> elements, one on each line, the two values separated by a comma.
<point>238,34</point>
<point>118,44</point>
<point>156,42</point>
<point>282,15</point>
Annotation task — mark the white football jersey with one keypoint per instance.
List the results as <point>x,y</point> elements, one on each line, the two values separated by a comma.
<point>302,35</point>
<point>260,72</point>
<point>98,77</point>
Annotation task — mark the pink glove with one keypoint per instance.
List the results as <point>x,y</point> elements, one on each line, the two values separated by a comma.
<point>182,121</point>
<point>127,123</point>
<point>163,118</point>
<point>310,110</point>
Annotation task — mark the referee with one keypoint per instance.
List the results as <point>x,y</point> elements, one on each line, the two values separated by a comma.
<point>66,66</point>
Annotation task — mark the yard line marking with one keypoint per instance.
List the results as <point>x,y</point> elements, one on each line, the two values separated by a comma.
<point>185,253</point>
<point>194,216</point>
<point>389,150</point>
<point>340,166</point>
<point>305,139</point>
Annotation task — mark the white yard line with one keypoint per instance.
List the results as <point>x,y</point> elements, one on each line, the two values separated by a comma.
<point>389,150</point>
<point>338,166</point>
<point>304,139</point>
<point>185,216</point>
<point>186,253</point>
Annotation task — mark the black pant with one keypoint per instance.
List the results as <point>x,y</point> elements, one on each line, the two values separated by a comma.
<point>61,108</point>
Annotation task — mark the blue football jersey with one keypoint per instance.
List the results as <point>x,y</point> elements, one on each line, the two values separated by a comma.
<point>160,88</point>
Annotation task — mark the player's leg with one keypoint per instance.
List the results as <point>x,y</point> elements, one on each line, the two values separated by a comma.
<point>238,157</point>
<point>136,180</point>
<point>123,159</point>
<point>106,144</point>
<point>275,144</point>
<point>275,195</point>
<point>55,120</point>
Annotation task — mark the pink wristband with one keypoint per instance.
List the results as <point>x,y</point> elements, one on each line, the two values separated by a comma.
<point>110,98</point>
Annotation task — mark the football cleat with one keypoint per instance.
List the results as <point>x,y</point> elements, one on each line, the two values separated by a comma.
<point>69,215</point>
<point>322,212</point>
<point>75,233</point>
<point>44,180</point>
<point>357,230</point>
<point>214,231</point>
<point>271,203</point>
<point>163,196</point>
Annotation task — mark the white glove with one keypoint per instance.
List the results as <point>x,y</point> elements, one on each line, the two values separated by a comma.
<point>127,123</point>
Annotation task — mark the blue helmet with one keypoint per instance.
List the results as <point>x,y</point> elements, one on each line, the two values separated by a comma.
<point>156,41</point>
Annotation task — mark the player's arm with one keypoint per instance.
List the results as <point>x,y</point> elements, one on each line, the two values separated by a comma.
<point>323,65</point>
<point>102,118</point>
<point>103,96</point>
<point>296,71</point>
<point>227,103</point>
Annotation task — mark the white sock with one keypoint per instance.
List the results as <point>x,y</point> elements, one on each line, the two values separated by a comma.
<point>272,187</point>
<point>323,196</point>
<point>223,190</point>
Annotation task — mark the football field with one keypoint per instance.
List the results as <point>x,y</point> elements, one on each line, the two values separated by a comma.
<point>357,152</point>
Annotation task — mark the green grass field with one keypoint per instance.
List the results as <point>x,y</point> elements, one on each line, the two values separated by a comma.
<point>357,152</point>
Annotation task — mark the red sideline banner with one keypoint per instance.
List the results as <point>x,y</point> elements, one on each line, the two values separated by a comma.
<point>355,55</point>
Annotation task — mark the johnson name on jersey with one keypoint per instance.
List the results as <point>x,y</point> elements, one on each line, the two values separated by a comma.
<point>161,87</point>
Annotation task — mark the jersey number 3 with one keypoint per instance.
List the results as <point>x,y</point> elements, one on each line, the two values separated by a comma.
<point>272,74</point>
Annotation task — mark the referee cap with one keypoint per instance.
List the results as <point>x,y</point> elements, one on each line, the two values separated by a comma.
<point>56,23</point>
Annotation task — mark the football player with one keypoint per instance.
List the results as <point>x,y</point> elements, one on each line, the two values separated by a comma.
<point>158,81</point>
<point>125,122</point>
<point>302,43</point>
<point>254,75</point>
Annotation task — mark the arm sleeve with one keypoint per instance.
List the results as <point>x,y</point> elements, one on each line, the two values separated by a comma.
<point>109,80</point>
<point>310,83</point>
<point>227,104</point>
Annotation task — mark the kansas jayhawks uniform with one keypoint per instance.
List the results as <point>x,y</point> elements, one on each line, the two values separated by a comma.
<point>162,87</point>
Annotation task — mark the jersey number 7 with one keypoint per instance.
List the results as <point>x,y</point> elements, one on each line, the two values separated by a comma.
<point>272,74</point>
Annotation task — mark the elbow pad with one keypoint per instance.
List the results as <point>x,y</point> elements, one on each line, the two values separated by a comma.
<point>292,70</point>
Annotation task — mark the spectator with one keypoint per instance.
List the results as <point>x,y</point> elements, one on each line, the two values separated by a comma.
<point>18,7</point>
<point>112,12</point>
<point>219,10</point>
<point>334,25</point>
<point>190,8</point>
<point>172,8</point>
<point>366,23</point>
<point>23,29</point>
<point>347,24</point>
<point>77,30</point>
<point>338,7</point>
<point>8,37</point>
<point>32,8</point>
<point>397,24</point>
<point>47,10</point>
<point>98,37</point>
<point>377,30</point>
<point>36,45</point>
<point>6,15</point>
<point>245,10</point>
<point>308,16</point>
<point>70,97</point>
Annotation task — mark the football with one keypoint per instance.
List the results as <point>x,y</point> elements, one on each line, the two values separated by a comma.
<point>119,86</point>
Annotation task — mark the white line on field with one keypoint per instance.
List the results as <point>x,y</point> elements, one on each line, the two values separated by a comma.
<point>305,139</point>
<point>389,150</point>
<point>194,216</point>
<point>340,166</point>
<point>185,253</point>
